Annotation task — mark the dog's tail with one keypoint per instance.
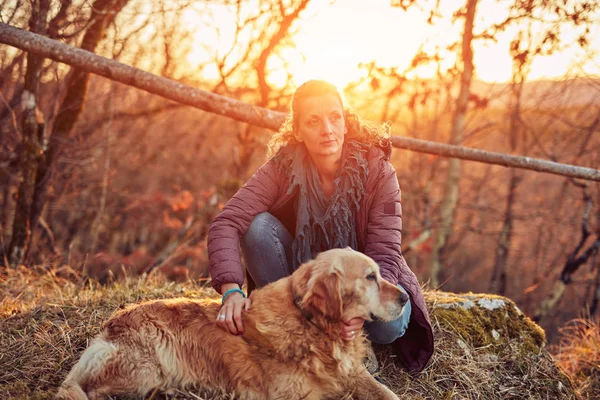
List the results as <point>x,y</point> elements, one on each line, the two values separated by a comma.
<point>90,365</point>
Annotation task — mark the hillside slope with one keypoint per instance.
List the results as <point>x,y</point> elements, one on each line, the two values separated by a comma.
<point>485,347</point>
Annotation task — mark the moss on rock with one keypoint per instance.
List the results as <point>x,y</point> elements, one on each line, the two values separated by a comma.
<point>485,348</point>
<point>485,320</point>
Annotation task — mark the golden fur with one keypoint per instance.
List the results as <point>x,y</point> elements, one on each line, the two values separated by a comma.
<point>291,347</point>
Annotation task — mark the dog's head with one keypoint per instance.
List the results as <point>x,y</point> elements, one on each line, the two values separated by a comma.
<point>345,284</point>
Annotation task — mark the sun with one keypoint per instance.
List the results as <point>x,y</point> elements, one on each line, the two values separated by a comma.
<point>331,44</point>
<point>330,41</point>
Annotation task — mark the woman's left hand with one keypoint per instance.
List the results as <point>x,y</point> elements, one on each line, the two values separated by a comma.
<point>351,328</point>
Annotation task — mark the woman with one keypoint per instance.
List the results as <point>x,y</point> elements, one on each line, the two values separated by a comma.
<point>328,184</point>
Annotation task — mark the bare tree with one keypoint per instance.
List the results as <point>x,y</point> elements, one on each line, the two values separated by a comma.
<point>578,257</point>
<point>451,188</point>
<point>551,17</point>
<point>37,171</point>
<point>271,27</point>
<point>524,48</point>
<point>521,58</point>
<point>595,288</point>
<point>32,131</point>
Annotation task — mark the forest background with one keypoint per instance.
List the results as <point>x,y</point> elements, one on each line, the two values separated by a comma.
<point>100,179</point>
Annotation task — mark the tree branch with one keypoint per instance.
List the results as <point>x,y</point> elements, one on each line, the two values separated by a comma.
<point>248,113</point>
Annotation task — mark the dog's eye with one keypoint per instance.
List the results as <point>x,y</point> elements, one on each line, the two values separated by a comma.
<point>372,277</point>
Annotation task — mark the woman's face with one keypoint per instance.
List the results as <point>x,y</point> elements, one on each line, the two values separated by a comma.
<point>321,125</point>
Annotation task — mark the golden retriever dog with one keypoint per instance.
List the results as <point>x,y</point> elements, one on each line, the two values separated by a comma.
<point>291,347</point>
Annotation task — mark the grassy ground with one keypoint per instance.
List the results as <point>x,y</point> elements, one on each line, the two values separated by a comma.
<point>48,318</point>
<point>579,355</point>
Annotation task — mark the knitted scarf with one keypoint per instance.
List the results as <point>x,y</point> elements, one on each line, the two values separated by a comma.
<point>321,223</point>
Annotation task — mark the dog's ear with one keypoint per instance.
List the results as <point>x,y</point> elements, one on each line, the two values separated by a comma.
<point>324,293</point>
<point>300,279</point>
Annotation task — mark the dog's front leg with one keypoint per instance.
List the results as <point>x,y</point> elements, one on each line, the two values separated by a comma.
<point>365,386</point>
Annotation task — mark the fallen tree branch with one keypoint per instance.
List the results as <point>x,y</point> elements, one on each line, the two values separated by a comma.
<point>248,113</point>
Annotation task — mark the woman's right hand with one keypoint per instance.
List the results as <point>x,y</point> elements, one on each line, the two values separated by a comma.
<point>229,317</point>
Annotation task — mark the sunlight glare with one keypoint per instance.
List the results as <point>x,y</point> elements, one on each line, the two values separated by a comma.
<point>336,40</point>
<point>332,39</point>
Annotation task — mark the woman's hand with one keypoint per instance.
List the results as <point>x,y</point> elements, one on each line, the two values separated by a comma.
<point>351,328</point>
<point>229,317</point>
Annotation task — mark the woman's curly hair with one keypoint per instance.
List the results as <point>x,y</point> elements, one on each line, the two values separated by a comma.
<point>366,132</point>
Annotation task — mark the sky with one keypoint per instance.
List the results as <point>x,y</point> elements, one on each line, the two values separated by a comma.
<point>332,39</point>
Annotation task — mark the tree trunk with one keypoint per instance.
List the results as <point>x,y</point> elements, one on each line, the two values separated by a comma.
<point>32,131</point>
<point>97,224</point>
<point>498,282</point>
<point>451,189</point>
<point>571,266</point>
<point>593,307</point>
<point>52,32</point>
<point>550,301</point>
<point>574,261</point>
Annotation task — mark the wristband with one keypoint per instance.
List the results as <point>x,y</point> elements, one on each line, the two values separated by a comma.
<point>227,293</point>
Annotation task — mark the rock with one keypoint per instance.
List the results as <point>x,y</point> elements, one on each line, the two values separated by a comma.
<point>485,348</point>
<point>483,319</point>
<point>491,304</point>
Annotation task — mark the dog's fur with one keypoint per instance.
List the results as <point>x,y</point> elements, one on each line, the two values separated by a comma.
<point>291,347</point>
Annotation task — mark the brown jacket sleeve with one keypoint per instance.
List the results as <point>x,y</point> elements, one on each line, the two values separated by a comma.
<point>384,227</point>
<point>384,235</point>
<point>255,197</point>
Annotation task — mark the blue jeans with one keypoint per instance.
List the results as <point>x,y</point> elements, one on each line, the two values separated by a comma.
<point>267,249</point>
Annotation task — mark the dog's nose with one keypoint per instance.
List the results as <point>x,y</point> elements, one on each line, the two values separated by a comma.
<point>403,298</point>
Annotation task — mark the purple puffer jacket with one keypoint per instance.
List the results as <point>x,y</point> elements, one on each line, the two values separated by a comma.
<point>378,224</point>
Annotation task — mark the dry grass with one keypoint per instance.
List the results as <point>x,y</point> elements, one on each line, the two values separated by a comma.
<point>48,318</point>
<point>579,355</point>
